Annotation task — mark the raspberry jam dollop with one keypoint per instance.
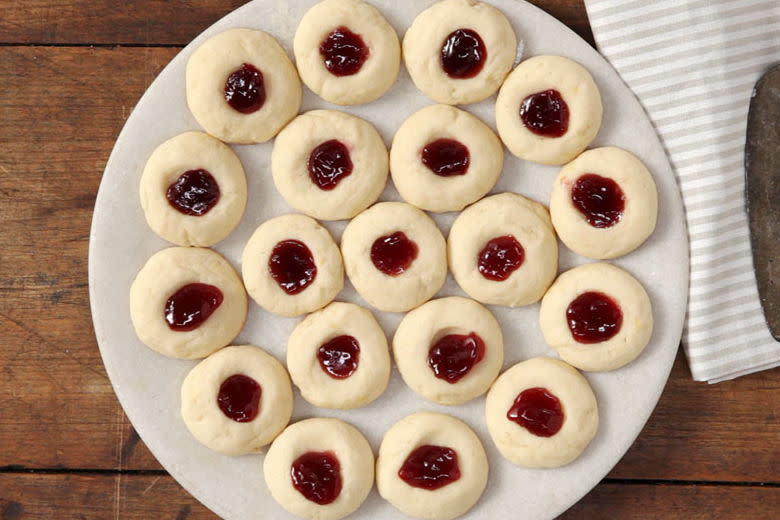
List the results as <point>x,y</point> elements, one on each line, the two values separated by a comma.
<point>292,266</point>
<point>430,467</point>
<point>463,54</point>
<point>538,411</point>
<point>328,163</point>
<point>194,193</point>
<point>599,199</point>
<point>446,157</point>
<point>500,257</point>
<point>393,254</point>
<point>239,398</point>
<point>593,317</point>
<point>245,89</point>
<point>545,113</point>
<point>344,52</point>
<point>339,357</point>
<point>191,305</point>
<point>317,476</point>
<point>454,355</point>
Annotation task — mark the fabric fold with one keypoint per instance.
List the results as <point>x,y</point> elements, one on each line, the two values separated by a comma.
<point>693,65</point>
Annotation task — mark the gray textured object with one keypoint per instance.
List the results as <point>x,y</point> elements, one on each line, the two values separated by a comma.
<point>762,191</point>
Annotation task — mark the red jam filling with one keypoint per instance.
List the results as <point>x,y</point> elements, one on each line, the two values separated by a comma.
<point>593,317</point>
<point>463,54</point>
<point>194,193</point>
<point>454,355</point>
<point>538,411</point>
<point>245,89</point>
<point>292,266</point>
<point>339,357</point>
<point>329,162</point>
<point>393,254</point>
<point>344,52</point>
<point>430,467</point>
<point>239,398</point>
<point>599,199</point>
<point>446,157</point>
<point>500,257</point>
<point>191,305</point>
<point>545,113</point>
<point>317,476</point>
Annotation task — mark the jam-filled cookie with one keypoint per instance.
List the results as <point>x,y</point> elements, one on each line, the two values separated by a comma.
<point>320,469</point>
<point>459,51</point>
<point>242,87</point>
<point>449,350</point>
<point>541,413</point>
<point>237,400</point>
<point>395,256</point>
<point>338,357</point>
<point>291,265</point>
<point>503,251</point>
<point>604,203</point>
<point>187,302</point>
<point>346,51</point>
<point>329,164</point>
<point>597,316</point>
<point>193,190</point>
<point>443,159</point>
<point>431,466</point>
<point>548,110</point>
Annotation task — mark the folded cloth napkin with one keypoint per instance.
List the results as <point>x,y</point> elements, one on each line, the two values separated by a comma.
<point>693,64</point>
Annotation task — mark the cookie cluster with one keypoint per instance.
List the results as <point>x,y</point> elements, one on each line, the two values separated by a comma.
<point>188,302</point>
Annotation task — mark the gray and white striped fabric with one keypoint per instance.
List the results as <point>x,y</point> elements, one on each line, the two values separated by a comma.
<point>693,64</point>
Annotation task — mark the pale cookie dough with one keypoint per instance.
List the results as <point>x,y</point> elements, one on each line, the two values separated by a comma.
<point>162,276</point>
<point>370,377</point>
<point>200,407</point>
<point>380,68</point>
<point>418,184</point>
<point>423,42</point>
<point>579,91</point>
<point>216,59</point>
<point>416,284</point>
<point>435,429</point>
<point>580,414</point>
<point>422,327</point>
<point>505,214</point>
<point>625,290</point>
<point>192,151</point>
<point>639,214</point>
<point>353,193</point>
<point>332,436</point>
<point>264,289</point>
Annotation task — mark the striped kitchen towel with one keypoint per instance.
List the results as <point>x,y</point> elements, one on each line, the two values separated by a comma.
<point>693,64</point>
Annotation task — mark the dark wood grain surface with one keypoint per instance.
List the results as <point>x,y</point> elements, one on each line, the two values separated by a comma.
<point>70,73</point>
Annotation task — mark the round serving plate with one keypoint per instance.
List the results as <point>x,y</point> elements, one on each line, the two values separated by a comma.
<point>147,384</point>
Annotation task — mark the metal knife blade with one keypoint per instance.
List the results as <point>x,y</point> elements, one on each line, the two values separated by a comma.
<point>762,191</point>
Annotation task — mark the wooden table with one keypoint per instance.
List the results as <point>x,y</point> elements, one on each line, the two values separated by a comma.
<point>70,73</point>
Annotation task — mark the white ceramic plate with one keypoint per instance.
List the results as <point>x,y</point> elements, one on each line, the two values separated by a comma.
<point>147,384</point>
